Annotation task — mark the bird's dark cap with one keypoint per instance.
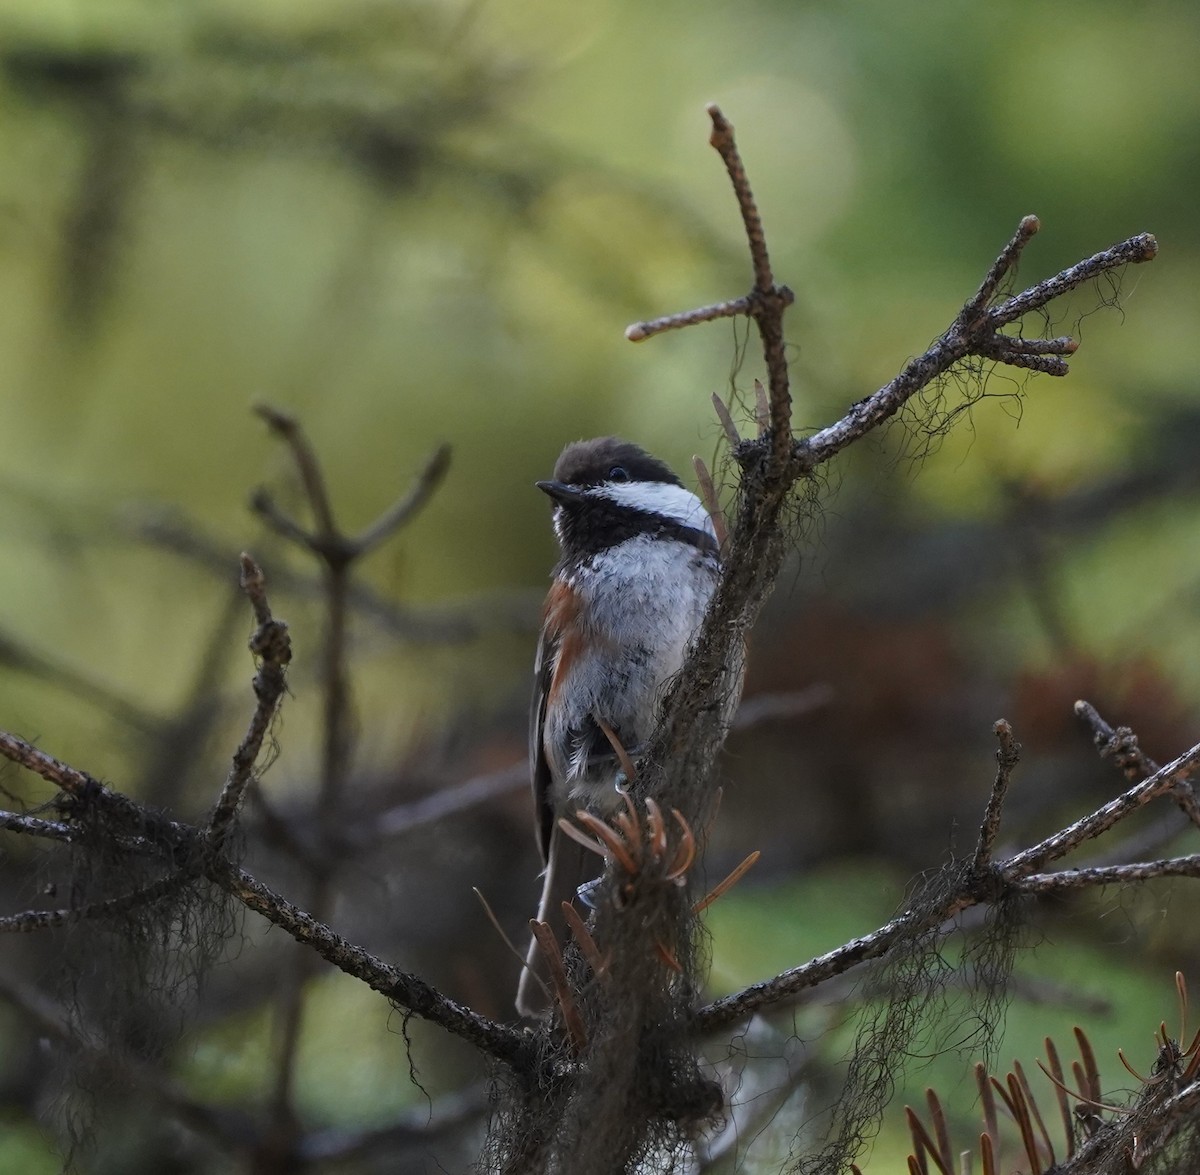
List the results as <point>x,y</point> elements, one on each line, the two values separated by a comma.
<point>584,463</point>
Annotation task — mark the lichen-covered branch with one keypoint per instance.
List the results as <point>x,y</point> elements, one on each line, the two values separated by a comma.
<point>983,883</point>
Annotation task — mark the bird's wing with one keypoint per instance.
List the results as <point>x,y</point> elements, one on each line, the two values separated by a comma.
<point>543,809</point>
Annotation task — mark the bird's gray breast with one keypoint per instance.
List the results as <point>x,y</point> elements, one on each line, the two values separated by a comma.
<point>643,601</point>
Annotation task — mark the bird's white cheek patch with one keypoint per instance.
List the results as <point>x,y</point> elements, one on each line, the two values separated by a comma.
<point>660,497</point>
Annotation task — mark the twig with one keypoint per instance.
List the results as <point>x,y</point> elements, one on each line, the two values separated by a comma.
<point>722,141</point>
<point>974,310</point>
<point>969,332</point>
<point>1007,757</point>
<point>1134,250</point>
<point>311,477</point>
<point>407,508</point>
<point>1110,874</point>
<point>763,708</point>
<point>35,826</point>
<point>147,831</point>
<point>1071,837</point>
<point>273,645</point>
<point>447,801</point>
<point>768,299</point>
<point>410,992</point>
<point>732,1008</point>
<point>480,789</point>
<point>1121,746</point>
<point>31,920</point>
<point>451,624</point>
<point>765,303</point>
<point>1012,874</point>
<point>327,540</point>
<point>734,308</point>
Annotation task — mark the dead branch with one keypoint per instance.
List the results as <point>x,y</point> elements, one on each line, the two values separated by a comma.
<point>989,883</point>
<point>36,826</point>
<point>273,645</point>
<point>30,920</point>
<point>976,331</point>
<point>186,842</point>
<point>337,553</point>
<point>409,992</point>
<point>456,623</point>
<point>1101,820</point>
<point>1007,756</point>
<point>1111,874</point>
<point>1121,747</point>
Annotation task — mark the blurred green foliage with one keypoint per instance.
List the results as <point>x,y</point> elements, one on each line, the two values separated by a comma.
<point>410,223</point>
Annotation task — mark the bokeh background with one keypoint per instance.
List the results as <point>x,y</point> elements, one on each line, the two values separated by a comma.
<point>410,224</point>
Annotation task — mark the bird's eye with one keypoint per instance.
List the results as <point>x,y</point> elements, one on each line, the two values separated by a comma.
<point>618,473</point>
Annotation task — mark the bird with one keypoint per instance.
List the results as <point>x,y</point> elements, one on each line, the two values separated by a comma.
<point>639,560</point>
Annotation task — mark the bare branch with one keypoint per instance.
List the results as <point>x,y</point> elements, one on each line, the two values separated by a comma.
<point>1132,251</point>
<point>1121,746</point>
<point>145,827</point>
<point>183,841</point>
<point>763,708</point>
<point>407,508</point>
<point>497,1040</point>
<point>734,308</point>
<point>273,645</point>
<point>288,428</point>
<point>1004,263</point>
<point>404,818</point>
<point>1007,757</point>
<point>1110,874</point>
<point>264,505</point>
<point>480,789</point>
<point>1009,876</point>
<point>975,331</point>
<point>35,826</point>
<point>1071,837</point>
<point>463,621</point>
<point>765,303</point>
<point>790,983</point>
<point>415,1127</point>
<point>30,920</point>
<point>722,141</point>
<point>769,301</point>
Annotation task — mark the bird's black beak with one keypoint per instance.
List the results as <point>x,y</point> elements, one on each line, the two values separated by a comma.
<point>560,491</point>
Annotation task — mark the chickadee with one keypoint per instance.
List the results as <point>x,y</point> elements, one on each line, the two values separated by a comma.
<point>639,563</point>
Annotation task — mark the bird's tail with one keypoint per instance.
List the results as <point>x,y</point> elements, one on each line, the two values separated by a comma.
<point>569,865</point>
